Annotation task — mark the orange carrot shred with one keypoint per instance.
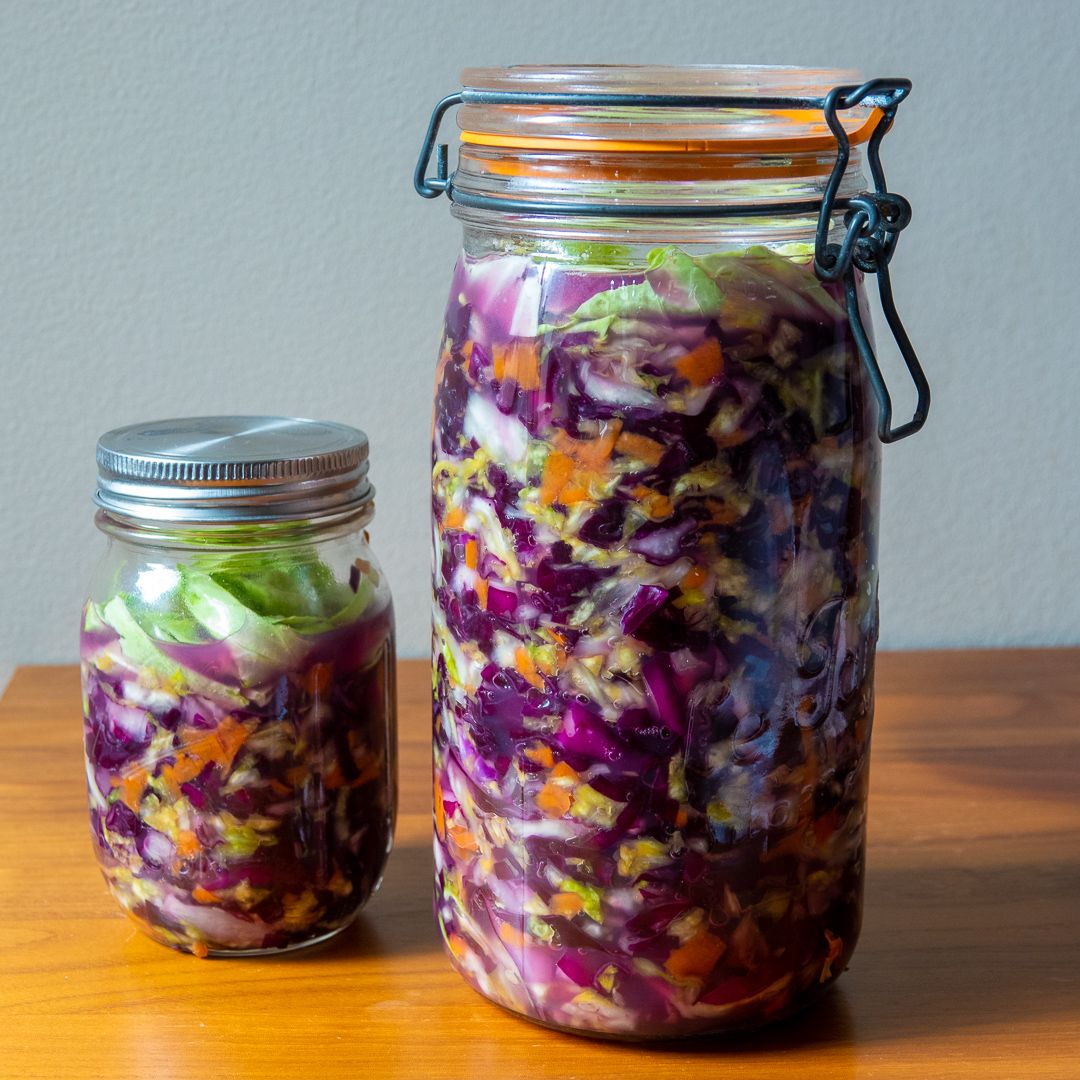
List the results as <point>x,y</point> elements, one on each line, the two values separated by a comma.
<point>541,754</point>
<point>527,668</point>
<point>640,447</point>
<point>132,787</point>
<point>462,839</point>
<point>722,513</point>
<point>317,678</point>
<point>454,519</point>
<point>562,771</point>
<point>440,811</point>
<point>566,903</point>
<point>553,801</point>
<point>519,361</point>
<point>693,578</point>
<point>697,957</point>
<point>204,896</point>
<point>557,470</point>
<point>187,844</point>
<point>200,950</point>
<point>703,364</point>
<point>334,778</point>
<point>512,936</point>
<point>472,556</point>
<point>573,493</point>
<point>591,454</point>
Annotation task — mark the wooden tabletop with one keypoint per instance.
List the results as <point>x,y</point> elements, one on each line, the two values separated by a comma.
<point>969,963</point>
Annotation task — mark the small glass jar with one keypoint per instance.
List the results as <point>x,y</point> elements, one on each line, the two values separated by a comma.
<point>655,490</point>
<point>237,656</point>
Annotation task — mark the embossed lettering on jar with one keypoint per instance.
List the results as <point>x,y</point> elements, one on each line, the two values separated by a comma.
<point>655,493</point>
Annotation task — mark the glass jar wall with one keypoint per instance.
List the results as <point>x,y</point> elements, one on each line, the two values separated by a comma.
<point>655,495</point>
<point>238,699</point>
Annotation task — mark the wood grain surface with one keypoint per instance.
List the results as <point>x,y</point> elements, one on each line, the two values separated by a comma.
<point>969,963</point>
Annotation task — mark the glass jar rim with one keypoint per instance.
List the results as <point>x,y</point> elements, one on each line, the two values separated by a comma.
<point>785,118</point>
<point>231,536</point>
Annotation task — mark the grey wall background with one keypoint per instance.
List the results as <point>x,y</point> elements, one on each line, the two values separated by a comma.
<point>206,207</point>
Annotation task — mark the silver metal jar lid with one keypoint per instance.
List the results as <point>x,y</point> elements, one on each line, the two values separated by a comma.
<point>219,469</point>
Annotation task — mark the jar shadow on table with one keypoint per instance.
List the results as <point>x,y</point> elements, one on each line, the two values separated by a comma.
<point>939,953</point>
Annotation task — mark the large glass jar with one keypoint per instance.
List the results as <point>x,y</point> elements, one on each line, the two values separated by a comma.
<point>655,585</point>
<point>238,682</point>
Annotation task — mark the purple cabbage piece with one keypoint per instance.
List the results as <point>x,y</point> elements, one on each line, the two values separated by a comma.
<point>501,601</point>
<point>662,545</point>
<point>666,702</point>
<point>156,849</point>
<point>589,736</point>
<point>646,600</point>
<point>124,822</point>
<point>213,659</point>
<point>581,965</point>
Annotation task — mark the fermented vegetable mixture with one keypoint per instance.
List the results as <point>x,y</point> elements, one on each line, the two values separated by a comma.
<point>236,724</point>
<point>655,613</point>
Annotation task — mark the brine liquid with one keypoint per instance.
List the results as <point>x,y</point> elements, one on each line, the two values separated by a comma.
<point>655,612</point>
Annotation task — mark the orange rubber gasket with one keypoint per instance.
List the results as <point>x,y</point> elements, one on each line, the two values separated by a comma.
<point>686,167</point>
<point>795,144</point>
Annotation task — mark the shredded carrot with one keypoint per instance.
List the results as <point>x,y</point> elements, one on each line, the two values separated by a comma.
<point>132,786</point>
<point>472,555</point>
<point>220,746</point>
<point>187,844</point>
<point>557,471</point>
<point>204,896</point>
<point>681,818</point>
<point>200,950</point>
<point>694,578</point>
<point>836,949</point>
<point>334,779</point>
<point>656,506</point>
<point>278,788</point>
<point>722,513</point>
<point>527,668</point>
<point>541,754</point>
<point>592,454</point>
<point>316,680</point>
<point>512,936</point>
<point>481,587</point>
<point>640,447</point>
<point>371,772</point>
<point>454,518</point>
<point>573,493</point>
<point>562,771</point>
<point>553,801</point>
<point>697,957</point>
<point>440,811</point>
<point>703,364</point>
<point>519,361</point>
<point>297,774</point>
<point>825,826</point>
<point>462,839</point>
<point>566,903</point>
<point>458,945</point>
